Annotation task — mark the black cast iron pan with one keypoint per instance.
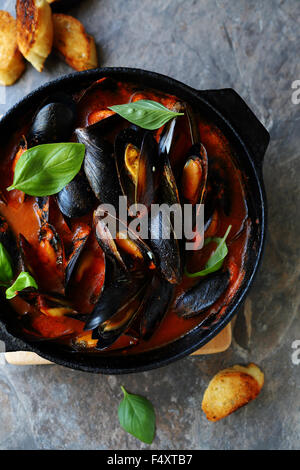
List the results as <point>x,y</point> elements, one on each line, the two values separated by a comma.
<point>249,139</point>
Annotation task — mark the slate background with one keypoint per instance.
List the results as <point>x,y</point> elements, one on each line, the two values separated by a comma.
<point>252,46</point>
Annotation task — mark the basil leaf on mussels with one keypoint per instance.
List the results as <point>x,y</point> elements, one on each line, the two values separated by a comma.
<point>23,280</point>
<point>147,114</point>
<point>137,416</point>
<point>216,259</point>
<point>6,271</point>
<point>46,169</point>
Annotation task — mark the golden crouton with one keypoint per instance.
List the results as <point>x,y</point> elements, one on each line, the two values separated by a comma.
<point>12,64</point>
<point>74,44</point>
<point>34,30</point>
<point>230,389</point>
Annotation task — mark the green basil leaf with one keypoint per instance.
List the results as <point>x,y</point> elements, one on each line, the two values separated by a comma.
<point>46,169</point>
<point>145,113</point>
<point>23,280</point>
<point>6,270</point>
<point>216,259</point>
<point>137,416</point>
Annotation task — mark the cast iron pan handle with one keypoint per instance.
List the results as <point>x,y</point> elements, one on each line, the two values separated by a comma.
<point>242,119</point>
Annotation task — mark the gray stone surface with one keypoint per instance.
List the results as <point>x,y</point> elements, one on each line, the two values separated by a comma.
<point>252,46</point>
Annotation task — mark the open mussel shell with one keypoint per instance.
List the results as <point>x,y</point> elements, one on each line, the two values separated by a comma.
<point>195,171</point>
<point>119,289</point>
<point>148,172</point>
<point>79,240</point>
<point>138,166</point>
<point>169,193</point>
<point>76,198</point>
<point>107,241</point>
<point>111,330</point>
<point>202,295</point>
<point>99,164</point>
<point>165,247</point>
<point>53,122</point>
<point>135,249</point>
<point>194,175</point>
<point>127,151</point>
<point>54,305</point>
<point>125,243</point>
<point>156,303</point>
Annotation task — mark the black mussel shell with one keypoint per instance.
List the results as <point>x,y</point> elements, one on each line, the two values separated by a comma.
<point>52,123</point>
<point>148,171</point>
<point>111,330</point>
<point>157,301</point>
<point>76,198</point>
<point>198,154</point>
<point>202,296</point>
<point>126,244</point>
<point>107,241</point>
<point>140,182</point>
<point>119,289</point>
<point>165,247</point>
<point>54,305</point>
<point>79,240</point>
<point>133,136</point>
<point>99,165</point>
<point>168,188</point>
<point>197,151</point>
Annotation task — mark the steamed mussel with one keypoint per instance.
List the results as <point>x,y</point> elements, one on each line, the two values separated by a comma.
<point>108,280</point>
<point>77,198</point>
<point>99,164</point>
<point>138,165</point>
<point>53,122</point>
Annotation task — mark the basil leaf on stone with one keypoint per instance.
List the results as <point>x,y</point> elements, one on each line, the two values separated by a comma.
<point>145,113</point>
<point>137,416</point>
<point>216,259</point>
<point>23,280</point>
<point>6,270</point>
<point>46,169</point>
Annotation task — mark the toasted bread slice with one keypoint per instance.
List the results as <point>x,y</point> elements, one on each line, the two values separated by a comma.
<point>34,30</point>
<point>230,389</point>
<point>12,64</point>
<point>73,43</point>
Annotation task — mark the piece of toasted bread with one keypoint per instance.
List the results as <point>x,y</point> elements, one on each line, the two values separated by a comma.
<point>74,44</point>
<point>230,389</point>
<point>34,30</point>
<point>12,64</point>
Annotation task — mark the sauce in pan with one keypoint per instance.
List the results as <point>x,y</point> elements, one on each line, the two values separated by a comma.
<point>49,318</point>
